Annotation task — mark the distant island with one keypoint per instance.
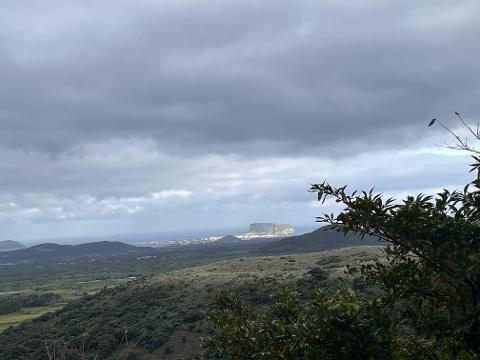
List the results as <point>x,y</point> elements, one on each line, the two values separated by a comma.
<point>270,229</point>
<point>10,245</point>
<point>255,231</point>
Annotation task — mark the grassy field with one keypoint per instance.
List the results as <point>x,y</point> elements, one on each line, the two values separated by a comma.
<point>283,269</point>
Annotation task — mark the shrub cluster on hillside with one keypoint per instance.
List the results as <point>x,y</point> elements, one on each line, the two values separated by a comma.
<point>14,303</point>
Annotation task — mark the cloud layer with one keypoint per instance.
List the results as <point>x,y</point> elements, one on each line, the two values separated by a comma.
<point>222,111</point>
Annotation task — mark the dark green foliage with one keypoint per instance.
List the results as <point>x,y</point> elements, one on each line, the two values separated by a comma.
<point>13,303</point>
<point>329,327</point>
<point>144,315</point>
<point>432,272</point>
<point>318,274</point>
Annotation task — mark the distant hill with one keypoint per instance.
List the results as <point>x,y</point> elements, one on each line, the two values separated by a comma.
<point>54,252</point>
<point>9,245</point>
<point>321,239</point>
<point>228,239</point>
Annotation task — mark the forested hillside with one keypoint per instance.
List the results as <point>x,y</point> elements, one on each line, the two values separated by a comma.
<point>138,318</point>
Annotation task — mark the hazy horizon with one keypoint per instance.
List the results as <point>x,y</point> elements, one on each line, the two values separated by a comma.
<point>137,238</point>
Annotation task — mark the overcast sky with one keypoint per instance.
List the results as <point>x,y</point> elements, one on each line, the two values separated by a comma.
<point>136,116</point>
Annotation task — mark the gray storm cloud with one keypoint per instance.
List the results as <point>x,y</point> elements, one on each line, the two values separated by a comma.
<point>229,107</point>
<point>211,76</point>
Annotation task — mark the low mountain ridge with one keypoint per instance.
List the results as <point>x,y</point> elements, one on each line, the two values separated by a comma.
<point>324,238</point>
<point>10,245</point>
<point>55,252</point>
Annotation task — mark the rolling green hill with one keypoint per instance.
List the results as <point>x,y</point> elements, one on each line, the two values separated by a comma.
<point>143,319</point>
